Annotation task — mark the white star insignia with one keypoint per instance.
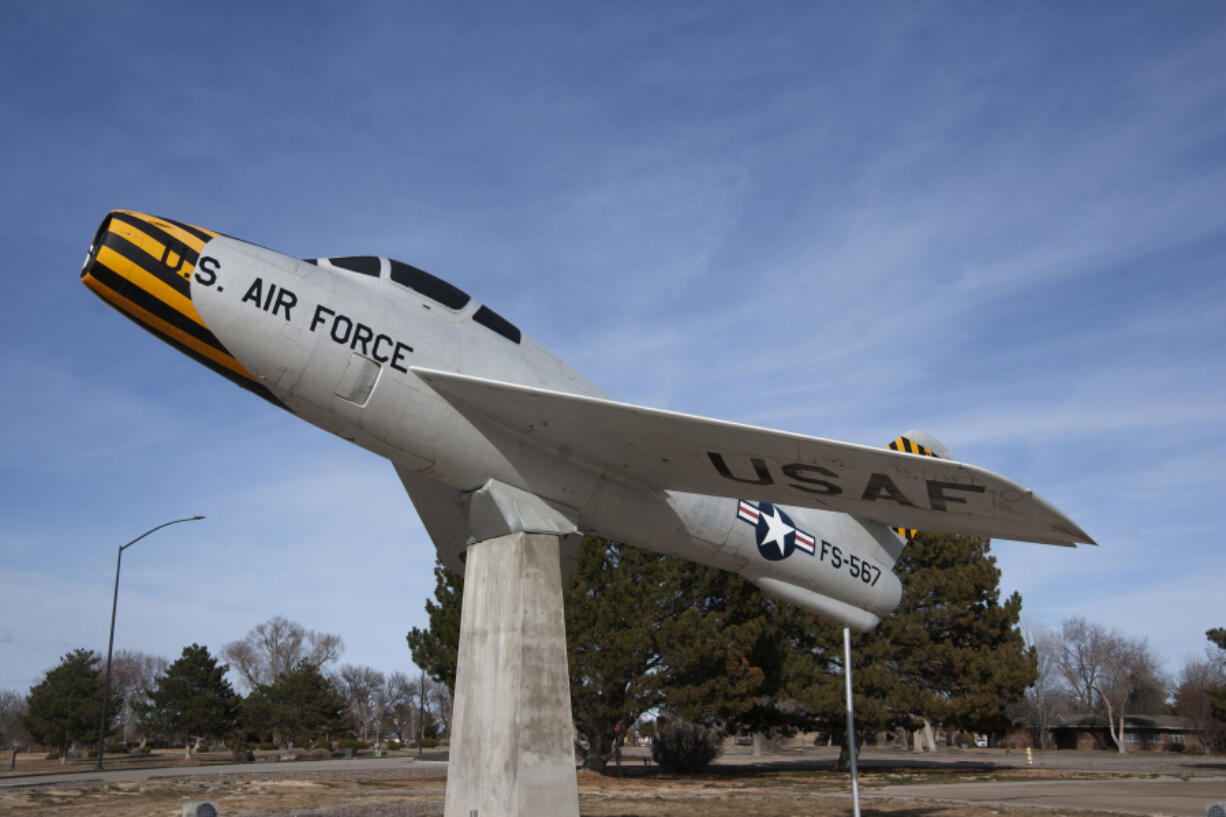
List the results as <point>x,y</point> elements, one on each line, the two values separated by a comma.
<point>777,529</point>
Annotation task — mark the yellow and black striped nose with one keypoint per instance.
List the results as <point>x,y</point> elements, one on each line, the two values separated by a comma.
<point>142,265</point>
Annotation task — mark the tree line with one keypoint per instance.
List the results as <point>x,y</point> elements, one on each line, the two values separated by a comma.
<point>1087,668</point>
<point>652,639</point>
<point>292,697</point>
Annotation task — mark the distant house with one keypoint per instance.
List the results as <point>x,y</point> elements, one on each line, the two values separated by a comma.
<point>1145,733</point>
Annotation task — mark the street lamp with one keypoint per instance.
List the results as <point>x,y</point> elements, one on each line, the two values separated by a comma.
<point>106,689</point>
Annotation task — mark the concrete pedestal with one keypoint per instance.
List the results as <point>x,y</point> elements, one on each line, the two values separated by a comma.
<point>512,747</point>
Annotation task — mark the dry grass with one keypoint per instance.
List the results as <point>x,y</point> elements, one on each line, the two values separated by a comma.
<point>30,763</point>
<point>398,794</point>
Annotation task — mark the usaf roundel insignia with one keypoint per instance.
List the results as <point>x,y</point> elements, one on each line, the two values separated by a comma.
<point>774,531</point>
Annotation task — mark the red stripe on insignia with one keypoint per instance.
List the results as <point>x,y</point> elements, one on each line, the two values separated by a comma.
<point>805,542</point>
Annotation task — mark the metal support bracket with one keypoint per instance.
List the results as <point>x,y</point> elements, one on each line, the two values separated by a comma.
<point>497,509</point>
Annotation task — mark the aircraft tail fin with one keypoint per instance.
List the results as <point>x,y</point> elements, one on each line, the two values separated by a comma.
<point>917,442</point>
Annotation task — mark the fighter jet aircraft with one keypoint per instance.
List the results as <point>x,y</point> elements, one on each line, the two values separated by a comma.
<point>463,404</point>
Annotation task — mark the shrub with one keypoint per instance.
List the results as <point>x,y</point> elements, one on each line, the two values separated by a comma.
<point>356,745</point>
<point>322,743</point>
<point>429,743</point>
<point>56,755</point>
<point>394,746</point>
<point>268,747</point>
<point>115,749</point>
<point>312,754</point>
<point>686,748</point>
<point>144,750</point>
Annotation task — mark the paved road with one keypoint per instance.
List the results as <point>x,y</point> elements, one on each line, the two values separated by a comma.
<point>1160,796</point>
<point>1185,786</point>
<point>287,768</point>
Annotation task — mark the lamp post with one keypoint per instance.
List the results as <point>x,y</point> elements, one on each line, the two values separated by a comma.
<point>106,689</point>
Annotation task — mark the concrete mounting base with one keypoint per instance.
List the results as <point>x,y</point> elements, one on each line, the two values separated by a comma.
<point>512,748</point>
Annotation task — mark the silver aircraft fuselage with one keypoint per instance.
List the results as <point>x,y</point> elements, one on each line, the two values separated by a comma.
<point>455,396</point>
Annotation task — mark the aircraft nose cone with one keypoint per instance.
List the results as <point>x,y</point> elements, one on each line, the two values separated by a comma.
<point>143,265</point>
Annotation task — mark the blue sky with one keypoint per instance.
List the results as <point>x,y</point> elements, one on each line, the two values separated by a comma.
<point>1002,224</point>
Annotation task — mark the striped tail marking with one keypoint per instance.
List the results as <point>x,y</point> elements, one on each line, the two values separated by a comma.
<point>908,446</point>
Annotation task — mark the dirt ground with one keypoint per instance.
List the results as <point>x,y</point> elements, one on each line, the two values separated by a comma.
<point>348,794</point>
<point>729,791</point>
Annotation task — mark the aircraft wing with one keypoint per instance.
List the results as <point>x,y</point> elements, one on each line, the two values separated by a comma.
<point>670,451</point>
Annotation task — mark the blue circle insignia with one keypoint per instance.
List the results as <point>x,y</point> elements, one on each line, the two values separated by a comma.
<point>775,533</point>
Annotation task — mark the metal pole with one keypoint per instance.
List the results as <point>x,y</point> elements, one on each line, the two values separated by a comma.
<point>851,722</point>
<point>110,644</point>
<point>106,689</point>
<point>421,715</point>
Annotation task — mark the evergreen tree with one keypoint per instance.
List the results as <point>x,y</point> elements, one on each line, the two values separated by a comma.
<point>66,706</point>
<point>436,648</point>
<point>615,602</point>
<point>967,655</point>
<point>814,672</point>
<point>302,705</point>
<point>192,700</point>
<point>646,631</point>
<point>725,653</point>
<point>951,654</point>
<point>643,632</point>
<point>1217,694</point>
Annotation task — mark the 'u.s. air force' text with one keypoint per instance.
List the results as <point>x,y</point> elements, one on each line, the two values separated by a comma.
<point>341,328</point>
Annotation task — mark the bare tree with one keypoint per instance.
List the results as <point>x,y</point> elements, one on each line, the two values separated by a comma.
<point>1148,685</point>
<point>399,706</point>
<point>133,674</point>
<point>12,707</point>
<point>1192,700</point>
<point>1082,659</point>
<point>1048,696</point>
<point>277,646</point>
<point>363,688</point>
<point>1215,653</point>
<point>394,704</point>
<point>441,705</point>
<point>1108,671</point>
<point>416,707</point>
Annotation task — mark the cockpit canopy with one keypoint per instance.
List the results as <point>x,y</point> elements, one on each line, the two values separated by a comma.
<point>423,283</point>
